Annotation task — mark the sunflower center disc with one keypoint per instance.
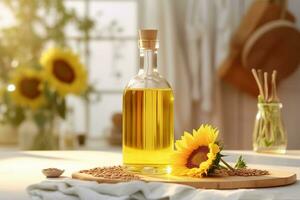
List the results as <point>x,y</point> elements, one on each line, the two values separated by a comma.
<point>197,156</point>
<point>63,71</point>
<point>29,87</point>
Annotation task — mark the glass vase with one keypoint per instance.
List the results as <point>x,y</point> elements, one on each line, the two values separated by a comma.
<point>33,137</point>
<point>45,140</point>
<point>269,135</point>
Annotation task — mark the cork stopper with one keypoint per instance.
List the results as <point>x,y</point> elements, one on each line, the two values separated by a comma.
<point>148,39</point>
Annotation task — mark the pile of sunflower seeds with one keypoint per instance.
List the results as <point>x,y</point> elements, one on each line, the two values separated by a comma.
<point>112,173</point>
<point>239,172</point>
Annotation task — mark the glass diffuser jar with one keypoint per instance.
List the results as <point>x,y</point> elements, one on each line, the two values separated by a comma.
<point>269,135</point>
<point>148,134</point>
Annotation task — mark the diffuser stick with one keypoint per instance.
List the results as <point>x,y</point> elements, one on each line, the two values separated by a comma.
<point>266,86</point>
<point>274,89</point>
<point>260,76</point>
<point>261,91</point>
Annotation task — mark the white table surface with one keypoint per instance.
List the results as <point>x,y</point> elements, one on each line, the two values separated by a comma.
<point>18,169</point>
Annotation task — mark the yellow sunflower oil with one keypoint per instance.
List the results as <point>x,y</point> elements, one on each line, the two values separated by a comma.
<point>148,135</point>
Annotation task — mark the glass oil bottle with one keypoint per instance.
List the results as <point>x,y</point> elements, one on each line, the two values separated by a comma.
<point>148,134</point>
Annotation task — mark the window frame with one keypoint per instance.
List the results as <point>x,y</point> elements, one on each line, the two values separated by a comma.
<point>86,53</point>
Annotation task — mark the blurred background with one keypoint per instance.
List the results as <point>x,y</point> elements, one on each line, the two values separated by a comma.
<point>207,49</point>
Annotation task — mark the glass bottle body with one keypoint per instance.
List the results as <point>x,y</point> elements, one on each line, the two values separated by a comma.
<point>148,134</point>
<point>269,135</point>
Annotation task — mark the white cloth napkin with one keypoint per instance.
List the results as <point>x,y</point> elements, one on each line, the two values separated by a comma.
<point>70,189</point>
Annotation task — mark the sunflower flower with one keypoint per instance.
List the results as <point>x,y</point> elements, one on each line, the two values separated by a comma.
<point>27,88</point>
<point>64,71</point>
<point>196,153</point>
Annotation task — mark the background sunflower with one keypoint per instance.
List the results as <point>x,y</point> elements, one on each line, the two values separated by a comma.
<point>64,71</point>
<point>196,153</point>
<point>28,88</point>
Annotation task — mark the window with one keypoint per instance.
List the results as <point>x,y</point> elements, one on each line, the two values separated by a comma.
<point>110,56</point>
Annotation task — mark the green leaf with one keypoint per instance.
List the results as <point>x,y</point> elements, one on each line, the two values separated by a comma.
<point>240,163</point>
<point>40,119</point>
<point>216,163</point>
<point>61,107</point>
<point>49,94</point>
<point>15,115</point>
<point>268,143</point>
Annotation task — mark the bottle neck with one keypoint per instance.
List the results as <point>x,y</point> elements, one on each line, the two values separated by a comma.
<point>148,61</point>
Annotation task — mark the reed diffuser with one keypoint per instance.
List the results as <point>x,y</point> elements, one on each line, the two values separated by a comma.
<point>269,134</point>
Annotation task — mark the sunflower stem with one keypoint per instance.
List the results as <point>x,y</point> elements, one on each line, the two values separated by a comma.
<point>226,164</point>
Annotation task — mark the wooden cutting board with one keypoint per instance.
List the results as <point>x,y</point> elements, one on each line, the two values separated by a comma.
<point>276,178</point>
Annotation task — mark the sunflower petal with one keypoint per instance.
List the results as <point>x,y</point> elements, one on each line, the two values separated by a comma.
<point>214,148</point>
<point>180,145</point>
<point>190,141</point>
<point>195,133</point>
